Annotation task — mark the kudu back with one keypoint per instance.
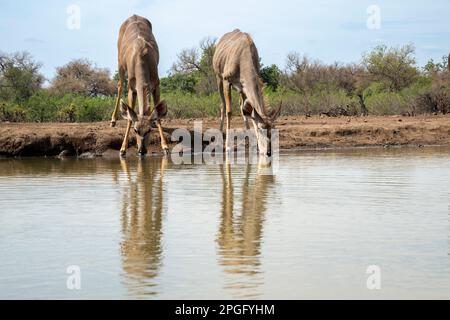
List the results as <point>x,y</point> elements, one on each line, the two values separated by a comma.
<point>138,58</point>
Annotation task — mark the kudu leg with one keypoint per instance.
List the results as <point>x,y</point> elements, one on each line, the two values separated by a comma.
<point>156,100</point>
<point>116,108</point>
<point>223,105</point>
<point>132,103</point>
<point>241,104</point>
<point>227,94</point>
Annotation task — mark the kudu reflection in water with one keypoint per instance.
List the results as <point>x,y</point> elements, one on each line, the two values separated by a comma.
<point>240,233</point>
<point>142,217</point>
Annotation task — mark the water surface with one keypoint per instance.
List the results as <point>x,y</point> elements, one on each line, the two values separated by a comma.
<point>151,229</point>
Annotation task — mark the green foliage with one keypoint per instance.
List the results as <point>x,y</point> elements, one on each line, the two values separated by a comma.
<point>393,67</point>
<point>386,82</point>
<point>182,105</point>
<point>198,63</point>
<point>271,76</point>
<point>12,112</point>
<point>44,106</point>
<point>41,107</point>
<point>19,77</point>
<point>185,83</point>
<point>387,103</point>
<point>93,109</point>
<point>314,103</point>
<point>433,67</point>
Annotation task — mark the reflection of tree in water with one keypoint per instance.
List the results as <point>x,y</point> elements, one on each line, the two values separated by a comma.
<point>240,232</point>
<point>142,210</point>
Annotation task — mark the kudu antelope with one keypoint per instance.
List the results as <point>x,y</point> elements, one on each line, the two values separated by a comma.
<point>139,58</point>
<point>236,64</point>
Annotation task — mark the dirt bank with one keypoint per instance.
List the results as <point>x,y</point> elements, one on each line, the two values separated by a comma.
<point>96,139</point>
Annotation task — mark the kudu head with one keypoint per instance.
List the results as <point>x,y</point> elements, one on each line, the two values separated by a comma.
<point>263,124</point>
<point>143,124</point>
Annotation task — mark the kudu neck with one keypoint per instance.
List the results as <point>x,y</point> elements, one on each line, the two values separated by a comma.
<point>143,93</point>
<point>253,91</point>
<point>252,83</point>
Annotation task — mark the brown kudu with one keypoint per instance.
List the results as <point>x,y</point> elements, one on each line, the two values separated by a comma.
<point>139,58</point>
<point>236,64</point>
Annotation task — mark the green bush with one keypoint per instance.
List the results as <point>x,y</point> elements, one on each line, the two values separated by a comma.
<point>41,107</point>
<point>67,113</point>
<point>12,113</point>
<point>93,109</point>
<point>315,102</point>
<point>387,103</point>
<point>182,105</point>
<point>181,82</point>
<point>271,76</point>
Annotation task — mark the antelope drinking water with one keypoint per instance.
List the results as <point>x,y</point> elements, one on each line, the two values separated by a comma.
<point>236,63</point>
<point>139,58</point>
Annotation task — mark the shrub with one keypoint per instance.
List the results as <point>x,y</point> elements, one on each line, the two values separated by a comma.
<point>41,107</point>
<point>12,113</point>
<point>326,102</point>
<point>271,77</point>
<point>182,82</point>
<point>93,109</point>
<point>67,113</point>
<point>182,105</point>
<point>387,103</point>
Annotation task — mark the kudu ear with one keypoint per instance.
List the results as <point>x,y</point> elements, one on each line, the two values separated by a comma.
<point>274,114</point>
<point>160,111</point>
<point>127,112</point>
<point>248,110</point>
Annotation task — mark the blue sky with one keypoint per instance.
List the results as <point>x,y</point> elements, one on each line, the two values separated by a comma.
<point>326,30</point>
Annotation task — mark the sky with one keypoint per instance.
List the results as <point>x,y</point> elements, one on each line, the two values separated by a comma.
<point>54,33</point>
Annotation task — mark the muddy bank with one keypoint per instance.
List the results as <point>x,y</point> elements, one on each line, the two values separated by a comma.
<point>97,139</point>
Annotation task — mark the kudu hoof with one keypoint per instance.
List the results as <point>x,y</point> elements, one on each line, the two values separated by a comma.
<point>123,153</point>
<point>112,124</point>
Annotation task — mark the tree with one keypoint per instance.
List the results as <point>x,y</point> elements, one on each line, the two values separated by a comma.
<point>311,77</point>
<point>186,83</point>
<point>394,67</point>
<point>197,62</point>
<point>81,77</point>
<point>19,77</point>
<point>432,67</point>
<point>271,76</point>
